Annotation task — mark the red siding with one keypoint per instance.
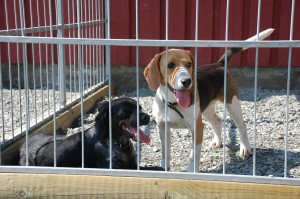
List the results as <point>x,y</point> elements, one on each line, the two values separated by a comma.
<point>212,13</point>
<point>242,24</point>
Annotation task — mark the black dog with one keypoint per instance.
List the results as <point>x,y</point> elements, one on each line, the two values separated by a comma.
<point>96,141</point>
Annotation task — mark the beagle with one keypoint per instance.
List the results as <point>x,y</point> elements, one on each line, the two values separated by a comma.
<point>171,75</point>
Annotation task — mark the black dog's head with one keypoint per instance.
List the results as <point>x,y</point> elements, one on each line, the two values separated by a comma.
<point>124,113</point>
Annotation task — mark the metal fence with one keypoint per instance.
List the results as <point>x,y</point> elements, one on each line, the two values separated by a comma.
<point>83,44</point>
<point>40,79</point>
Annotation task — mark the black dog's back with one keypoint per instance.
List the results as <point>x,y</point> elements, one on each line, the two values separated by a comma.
<point>41,150</point>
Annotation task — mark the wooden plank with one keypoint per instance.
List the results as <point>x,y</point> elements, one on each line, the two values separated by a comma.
<point>10,154</point>
<point>18,185</point>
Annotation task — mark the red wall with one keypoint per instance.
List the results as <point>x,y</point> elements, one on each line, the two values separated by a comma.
<point>242,25</point>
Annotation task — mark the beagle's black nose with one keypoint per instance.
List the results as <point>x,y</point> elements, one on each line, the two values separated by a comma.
<point>186,81</point>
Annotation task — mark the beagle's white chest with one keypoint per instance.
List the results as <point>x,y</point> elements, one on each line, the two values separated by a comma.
<point>177,119</point>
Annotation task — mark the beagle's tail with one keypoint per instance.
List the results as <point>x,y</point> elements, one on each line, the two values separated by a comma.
<point>231,52</point>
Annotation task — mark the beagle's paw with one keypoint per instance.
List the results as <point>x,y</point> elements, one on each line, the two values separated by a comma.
<point>245,151</point>
<point>216,143</point>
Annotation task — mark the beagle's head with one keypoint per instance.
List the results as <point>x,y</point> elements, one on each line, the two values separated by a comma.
<point>180,75</point>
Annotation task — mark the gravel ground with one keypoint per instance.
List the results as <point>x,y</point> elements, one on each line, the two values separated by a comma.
<point>270,134</point>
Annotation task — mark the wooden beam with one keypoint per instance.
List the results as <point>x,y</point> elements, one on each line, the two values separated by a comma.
<point>10,153</point>
<point>19,185</point>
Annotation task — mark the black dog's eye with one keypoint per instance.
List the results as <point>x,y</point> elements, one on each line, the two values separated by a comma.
<point>171,65</point>
<point>189,64</point>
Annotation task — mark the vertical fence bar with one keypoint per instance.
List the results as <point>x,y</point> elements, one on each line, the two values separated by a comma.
<point>93,46</point>
<point>10,72</point>
<point>137,82</point>
<point>33,62</point>
<point>2,108</point>
<point>86,49</point>
<point>288,90</point>
<point>74,49</point>
<point>53,84</point>
<point>61,54</point>
<point>166,90</point>
<point>40,56</point>
<point>47,60</point>
<point>98,48</point>
<point>255,88</point>
<point>19,70</point>
<point>70,53</point>
<point>25,71</point>
<point>102,28</point>
<point>80,80</point>
<point>95,35</point>
<point>196,167</point>
<point>225,88</point>
<point>90,46</point>
<point>108,76</point>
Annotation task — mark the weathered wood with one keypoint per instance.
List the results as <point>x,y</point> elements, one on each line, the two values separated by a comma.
<point>10,153</point>
<point>16,185</point>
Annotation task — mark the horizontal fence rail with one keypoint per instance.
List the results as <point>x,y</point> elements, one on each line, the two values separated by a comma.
<point>159,43</point>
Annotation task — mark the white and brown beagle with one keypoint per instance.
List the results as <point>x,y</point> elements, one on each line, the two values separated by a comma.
<point>178,93</point>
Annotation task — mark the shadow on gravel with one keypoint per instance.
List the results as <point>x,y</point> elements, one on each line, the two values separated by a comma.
<point>269,162</point>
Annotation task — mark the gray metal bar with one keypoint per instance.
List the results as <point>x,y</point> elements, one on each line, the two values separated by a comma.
<point>225,89</point>
<point>152,174</point>
<point>25,71</point>
<point>137,82</point>
<point>2,108</point>
<point>74,49</point>
<point>70,57</point>
<point>255,88</point>
<point>40,56</point>
<point>166,89</point>
<point>33,63</point>
<point>80,81</point>
<point>108,76</point>
<point>102,35</point>
<point>53,86</point>
<point>10,72</point>
<point>90,46</point>
<point>155,43</point>
<point>61,55</point>
<point>47,28</point>
<point>47,67</point>
<point>195,83</point>
<point>288,91</point>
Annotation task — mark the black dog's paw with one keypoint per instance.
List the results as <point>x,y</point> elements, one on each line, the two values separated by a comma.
<point>154,168</point>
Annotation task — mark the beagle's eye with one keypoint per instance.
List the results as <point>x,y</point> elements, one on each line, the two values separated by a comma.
<point>171,65</point>
<point>188,65</point>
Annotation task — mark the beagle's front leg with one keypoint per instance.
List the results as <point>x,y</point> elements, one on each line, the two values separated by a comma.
<point>165,145</point>
<point>195,154</point>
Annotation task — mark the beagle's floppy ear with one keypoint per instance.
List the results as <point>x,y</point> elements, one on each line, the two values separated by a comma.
<point>191,55</point>
<point>152,72</point>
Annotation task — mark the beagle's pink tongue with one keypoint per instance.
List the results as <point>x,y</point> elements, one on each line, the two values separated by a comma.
<point>183,98</point>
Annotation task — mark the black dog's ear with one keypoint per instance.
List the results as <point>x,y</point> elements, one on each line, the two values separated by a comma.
<point>102,117</point>
<point>103,106</point>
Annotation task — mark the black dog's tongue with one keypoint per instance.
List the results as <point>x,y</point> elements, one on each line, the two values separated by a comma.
<point>143,137</point>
